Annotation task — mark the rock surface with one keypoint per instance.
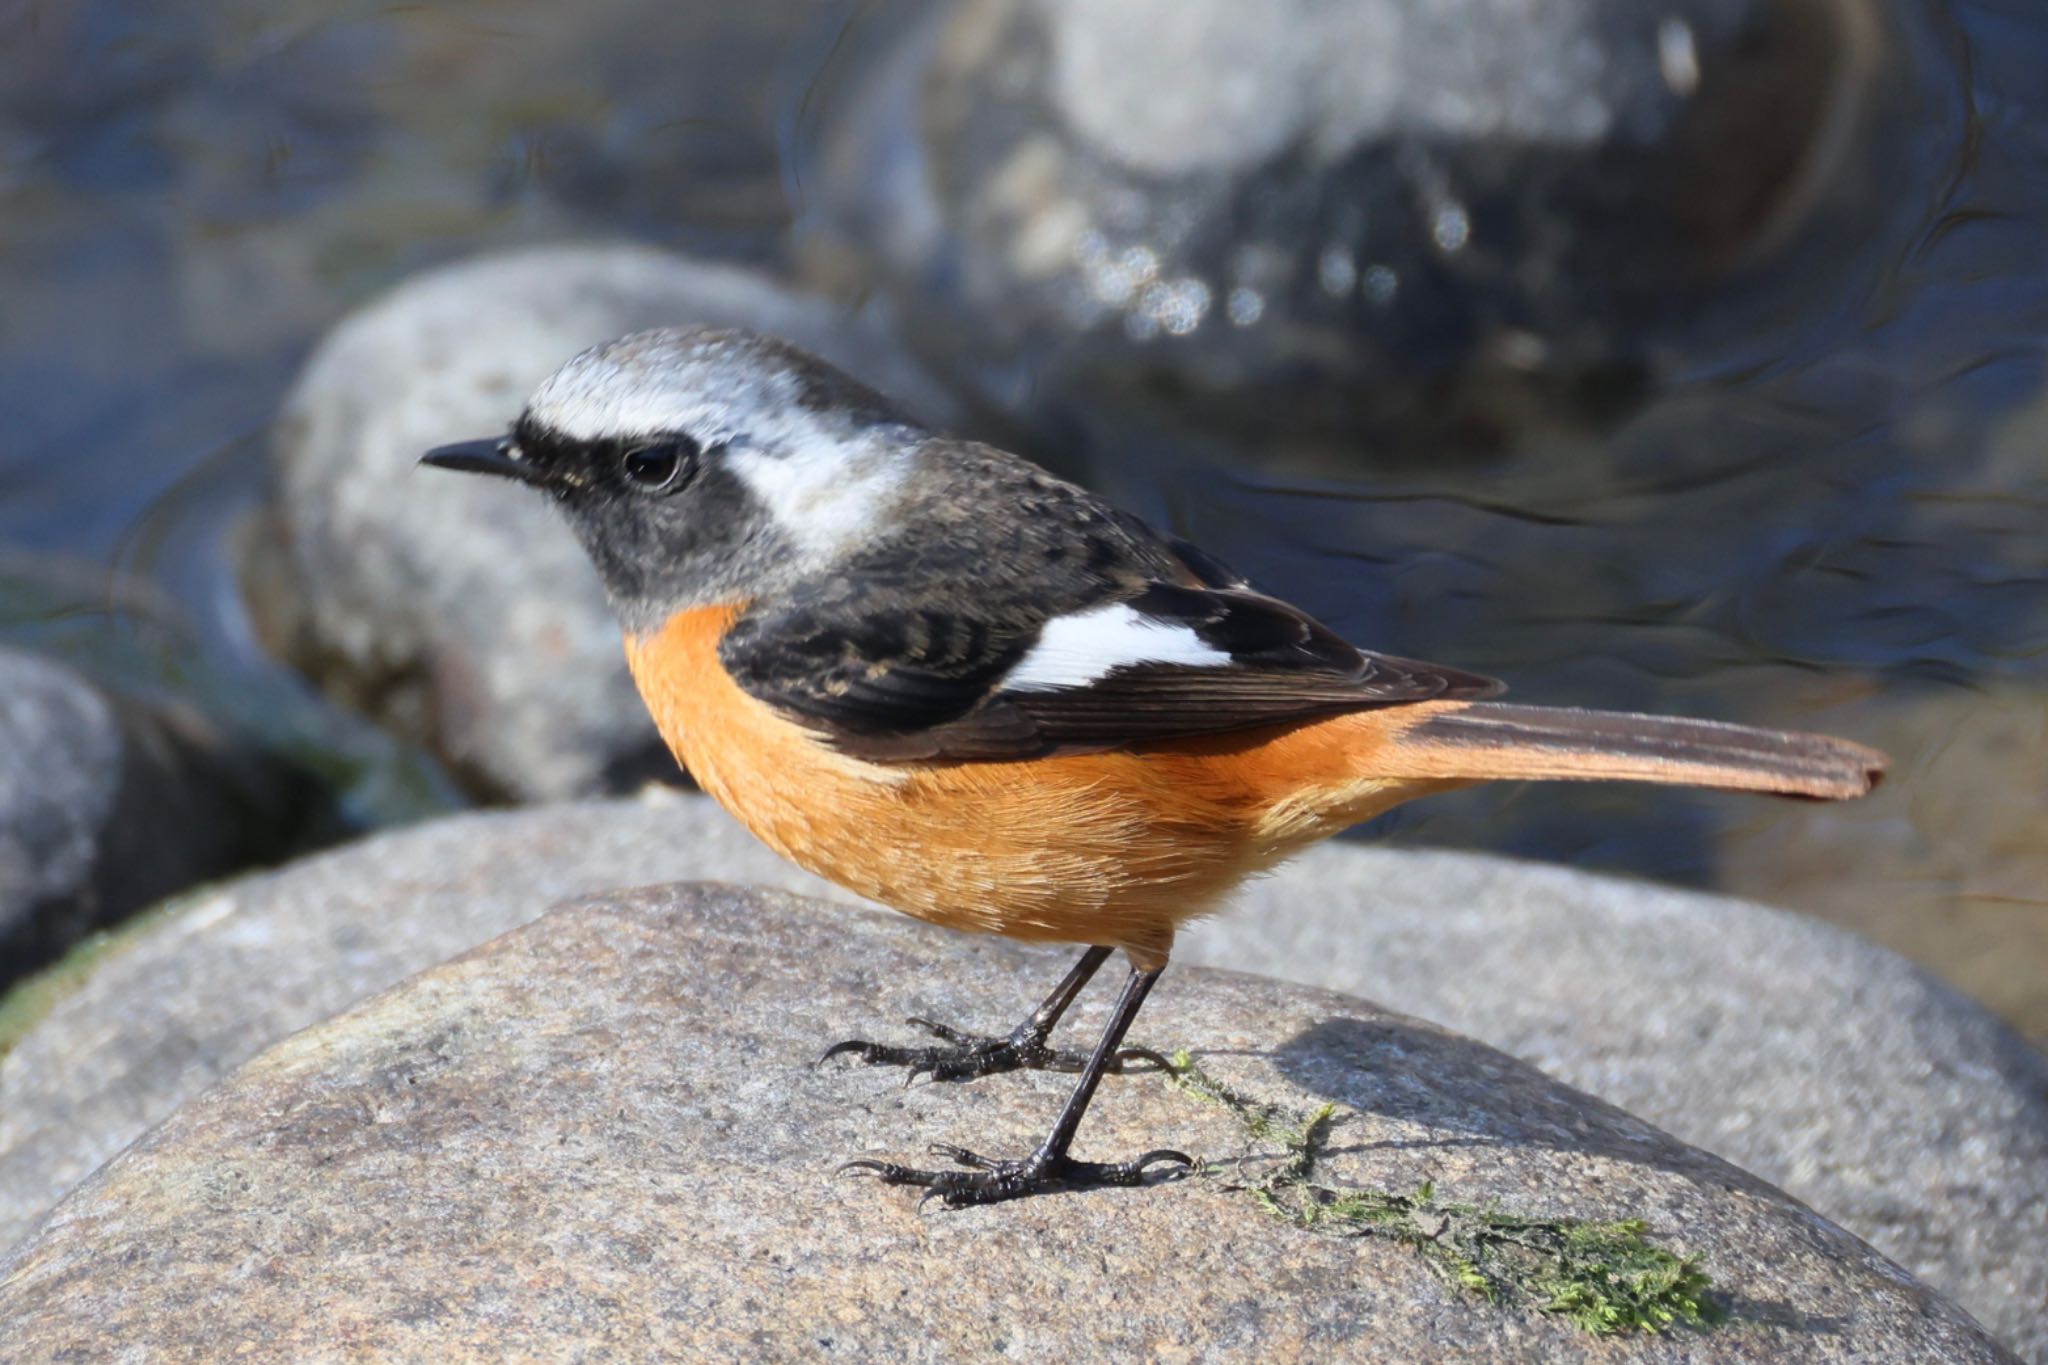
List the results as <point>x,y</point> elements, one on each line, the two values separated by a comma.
<point>108,803</point>
<point>570,1142</point>
<point>1828,1065</point>
<point>1799,1052</point>
<point>461,610</point>
<point>190,997</point>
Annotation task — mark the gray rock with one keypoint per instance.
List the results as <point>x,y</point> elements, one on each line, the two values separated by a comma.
<point>464,614</point>
<point>108,803</point>
<point>602,1136</point>
<point>57,789</point>
<point>1822,1062</point>
<point>183,1002</point>
<point>1320,200</point>
<point>1831,1068</point>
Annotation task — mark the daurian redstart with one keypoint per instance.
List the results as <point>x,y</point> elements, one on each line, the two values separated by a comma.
<point>934,673</point>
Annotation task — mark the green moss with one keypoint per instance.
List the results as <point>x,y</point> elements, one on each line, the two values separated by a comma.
<point>1605,1277</point>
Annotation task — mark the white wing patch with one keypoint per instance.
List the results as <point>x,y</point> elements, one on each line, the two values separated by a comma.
<point>1074,651</point>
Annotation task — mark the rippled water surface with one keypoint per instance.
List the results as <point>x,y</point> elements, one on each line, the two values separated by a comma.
<point>1830,511</point>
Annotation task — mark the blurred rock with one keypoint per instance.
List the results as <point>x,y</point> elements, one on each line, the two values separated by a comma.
<point>568,1143</point>
<point>108,803</point>
<point>464,614</point>
<point>137,640</point>
<point>1962,835</point>
<point>1414,218</point>
<point>1825,1065</point>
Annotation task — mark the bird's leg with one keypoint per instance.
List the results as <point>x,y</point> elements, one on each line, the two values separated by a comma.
<point>963,1056</point>
<point>1048,1170</point>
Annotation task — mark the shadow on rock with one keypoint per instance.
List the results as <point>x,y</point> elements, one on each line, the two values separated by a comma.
<point>1463,1093</point>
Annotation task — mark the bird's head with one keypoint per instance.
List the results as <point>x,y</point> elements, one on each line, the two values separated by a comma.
<point>701,466</point>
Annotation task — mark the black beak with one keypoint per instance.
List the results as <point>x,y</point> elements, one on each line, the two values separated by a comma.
<point>488,456</point>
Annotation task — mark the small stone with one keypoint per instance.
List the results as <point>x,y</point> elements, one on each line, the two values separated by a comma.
<point>577,1141</point>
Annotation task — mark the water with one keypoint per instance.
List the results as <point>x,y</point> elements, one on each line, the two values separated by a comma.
<point>1832,515</point>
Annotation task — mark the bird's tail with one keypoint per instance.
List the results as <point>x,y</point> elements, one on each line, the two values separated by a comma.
<point>1479,741</point>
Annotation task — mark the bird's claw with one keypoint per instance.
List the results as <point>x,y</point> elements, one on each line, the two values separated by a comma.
<point>988,1180</point>
<point>962,1056</point>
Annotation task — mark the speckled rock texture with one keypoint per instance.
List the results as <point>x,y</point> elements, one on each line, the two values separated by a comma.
<point>190,997</point>
<point>1834,1069</point>
<point>602,1135</point>
<point>108,803</point>
<point>459,610</point>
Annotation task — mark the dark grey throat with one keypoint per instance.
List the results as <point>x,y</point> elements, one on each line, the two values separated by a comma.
<point>710,544</point>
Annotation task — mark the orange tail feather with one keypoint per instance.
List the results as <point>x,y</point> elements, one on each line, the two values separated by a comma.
<point>1489,740</point>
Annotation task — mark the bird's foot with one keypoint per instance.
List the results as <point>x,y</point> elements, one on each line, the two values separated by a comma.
<point>962,1056</point>
<point>984,1180</point>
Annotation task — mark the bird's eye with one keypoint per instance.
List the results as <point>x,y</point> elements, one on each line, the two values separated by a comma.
<point>661,466</point>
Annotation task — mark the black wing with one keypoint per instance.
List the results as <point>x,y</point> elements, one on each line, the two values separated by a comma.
<point>890,671</point>
<point>900,683</point>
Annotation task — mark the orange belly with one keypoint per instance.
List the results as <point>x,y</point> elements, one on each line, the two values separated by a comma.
<point>1110,848</point>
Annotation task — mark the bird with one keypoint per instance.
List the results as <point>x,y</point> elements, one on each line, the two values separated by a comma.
<point>934,673</point>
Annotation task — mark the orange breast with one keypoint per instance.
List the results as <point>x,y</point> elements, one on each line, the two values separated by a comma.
<point>1112,848</point>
